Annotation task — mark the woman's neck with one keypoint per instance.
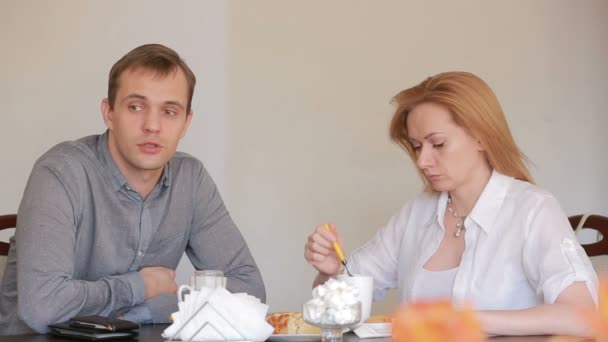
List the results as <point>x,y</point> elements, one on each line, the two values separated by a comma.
<point>466,195</point>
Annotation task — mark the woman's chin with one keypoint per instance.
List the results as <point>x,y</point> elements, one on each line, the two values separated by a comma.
<point>440,186</point>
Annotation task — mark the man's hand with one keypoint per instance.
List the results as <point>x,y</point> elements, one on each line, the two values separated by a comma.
<point>158,280</point>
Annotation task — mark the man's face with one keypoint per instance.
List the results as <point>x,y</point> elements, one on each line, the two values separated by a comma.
<point>148,120</point>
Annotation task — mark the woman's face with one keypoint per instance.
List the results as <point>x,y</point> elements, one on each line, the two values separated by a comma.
<point>447,155</point>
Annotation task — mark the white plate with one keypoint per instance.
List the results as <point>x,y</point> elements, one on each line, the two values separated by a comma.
<point>295,337</point>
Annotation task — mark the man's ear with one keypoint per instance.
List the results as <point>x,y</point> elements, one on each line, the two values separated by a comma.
<point>188,120</point>
<point>106,113</point>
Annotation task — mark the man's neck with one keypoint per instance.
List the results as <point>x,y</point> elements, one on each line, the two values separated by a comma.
<point>144,182</point>
<point>140,180</point>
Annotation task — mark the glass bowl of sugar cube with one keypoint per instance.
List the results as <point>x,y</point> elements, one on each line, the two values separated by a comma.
<point>335,307</point>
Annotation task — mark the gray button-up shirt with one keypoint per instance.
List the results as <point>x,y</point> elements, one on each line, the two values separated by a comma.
<point>82,234</point>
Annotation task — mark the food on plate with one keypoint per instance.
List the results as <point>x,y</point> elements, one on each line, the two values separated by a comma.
<point>290,323</point>
<point>379,319</point>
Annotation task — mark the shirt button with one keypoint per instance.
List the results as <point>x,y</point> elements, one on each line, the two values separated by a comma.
<point>140,253</point>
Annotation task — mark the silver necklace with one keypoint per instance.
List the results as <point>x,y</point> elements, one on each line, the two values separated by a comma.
<point>452,211</point>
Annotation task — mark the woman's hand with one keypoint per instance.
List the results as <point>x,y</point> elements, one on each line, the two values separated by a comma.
<point>320,253</point>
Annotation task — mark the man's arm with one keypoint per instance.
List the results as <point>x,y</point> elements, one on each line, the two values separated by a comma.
<point>161,299</point>
<point>155,310</point>
<point>46,239</point>
<point>216,243</point>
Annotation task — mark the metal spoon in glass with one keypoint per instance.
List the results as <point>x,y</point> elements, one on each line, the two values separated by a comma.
<point>339,252</point>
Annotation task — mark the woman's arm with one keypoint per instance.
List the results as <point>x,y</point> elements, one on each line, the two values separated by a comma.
<point>564,317</point>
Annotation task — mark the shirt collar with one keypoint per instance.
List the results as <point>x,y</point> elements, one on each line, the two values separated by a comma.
<point>486,208</point>
<point>492,197</point>
<point>165,178</point>
<point>118,179</point>
<point>442,203</point>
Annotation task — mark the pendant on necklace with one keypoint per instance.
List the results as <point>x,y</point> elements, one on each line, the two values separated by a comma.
<point>459,226</point>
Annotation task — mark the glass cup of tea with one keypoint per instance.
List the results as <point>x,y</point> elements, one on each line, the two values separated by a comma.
<point>209,279</point>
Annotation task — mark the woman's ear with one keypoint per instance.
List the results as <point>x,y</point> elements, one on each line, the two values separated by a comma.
<point>480,146</point>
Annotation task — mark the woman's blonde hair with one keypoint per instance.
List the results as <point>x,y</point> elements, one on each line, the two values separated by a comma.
<point>474,107</point>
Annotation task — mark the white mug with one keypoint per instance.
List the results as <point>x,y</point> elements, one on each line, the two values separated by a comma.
<point>365,284</point>
<point>202,279</point>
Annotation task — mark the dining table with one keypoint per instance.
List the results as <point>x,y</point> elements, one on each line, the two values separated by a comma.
<point>152,333</point>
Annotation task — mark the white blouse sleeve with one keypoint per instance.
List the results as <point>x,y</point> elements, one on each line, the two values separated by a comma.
<point>553,258</point>
<point>379,256</point>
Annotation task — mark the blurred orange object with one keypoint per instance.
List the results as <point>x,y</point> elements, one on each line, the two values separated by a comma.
<point>434,322</point>
<point>599,319</point>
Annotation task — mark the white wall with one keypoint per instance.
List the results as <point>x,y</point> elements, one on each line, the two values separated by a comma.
<point>292,104</point>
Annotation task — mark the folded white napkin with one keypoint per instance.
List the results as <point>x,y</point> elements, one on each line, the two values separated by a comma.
<point>232,317</point>
<point>368,330</point>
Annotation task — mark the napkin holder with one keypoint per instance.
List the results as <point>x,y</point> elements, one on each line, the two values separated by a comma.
<point>204,324</point>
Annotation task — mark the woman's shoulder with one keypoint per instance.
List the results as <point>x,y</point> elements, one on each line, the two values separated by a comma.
<point>420,208</point>
<point>426,199</point>
<point>532,203</point>
<point>527,194</point>
<point>423,201</point>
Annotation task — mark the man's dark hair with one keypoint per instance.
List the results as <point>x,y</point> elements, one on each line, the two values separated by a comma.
<point>154,57</point>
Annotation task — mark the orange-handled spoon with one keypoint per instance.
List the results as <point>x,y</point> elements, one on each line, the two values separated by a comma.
<point>339,252</point>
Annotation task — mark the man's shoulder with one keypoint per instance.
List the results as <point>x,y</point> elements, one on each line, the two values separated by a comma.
<point>70,153</point>
<point>188,173</point>
<point>185,162</point>
<point>183,156</point>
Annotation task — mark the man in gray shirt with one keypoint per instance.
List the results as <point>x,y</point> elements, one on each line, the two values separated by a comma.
<point>104,220</point>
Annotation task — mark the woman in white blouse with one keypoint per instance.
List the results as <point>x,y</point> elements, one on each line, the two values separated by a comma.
<point>482,232</point>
